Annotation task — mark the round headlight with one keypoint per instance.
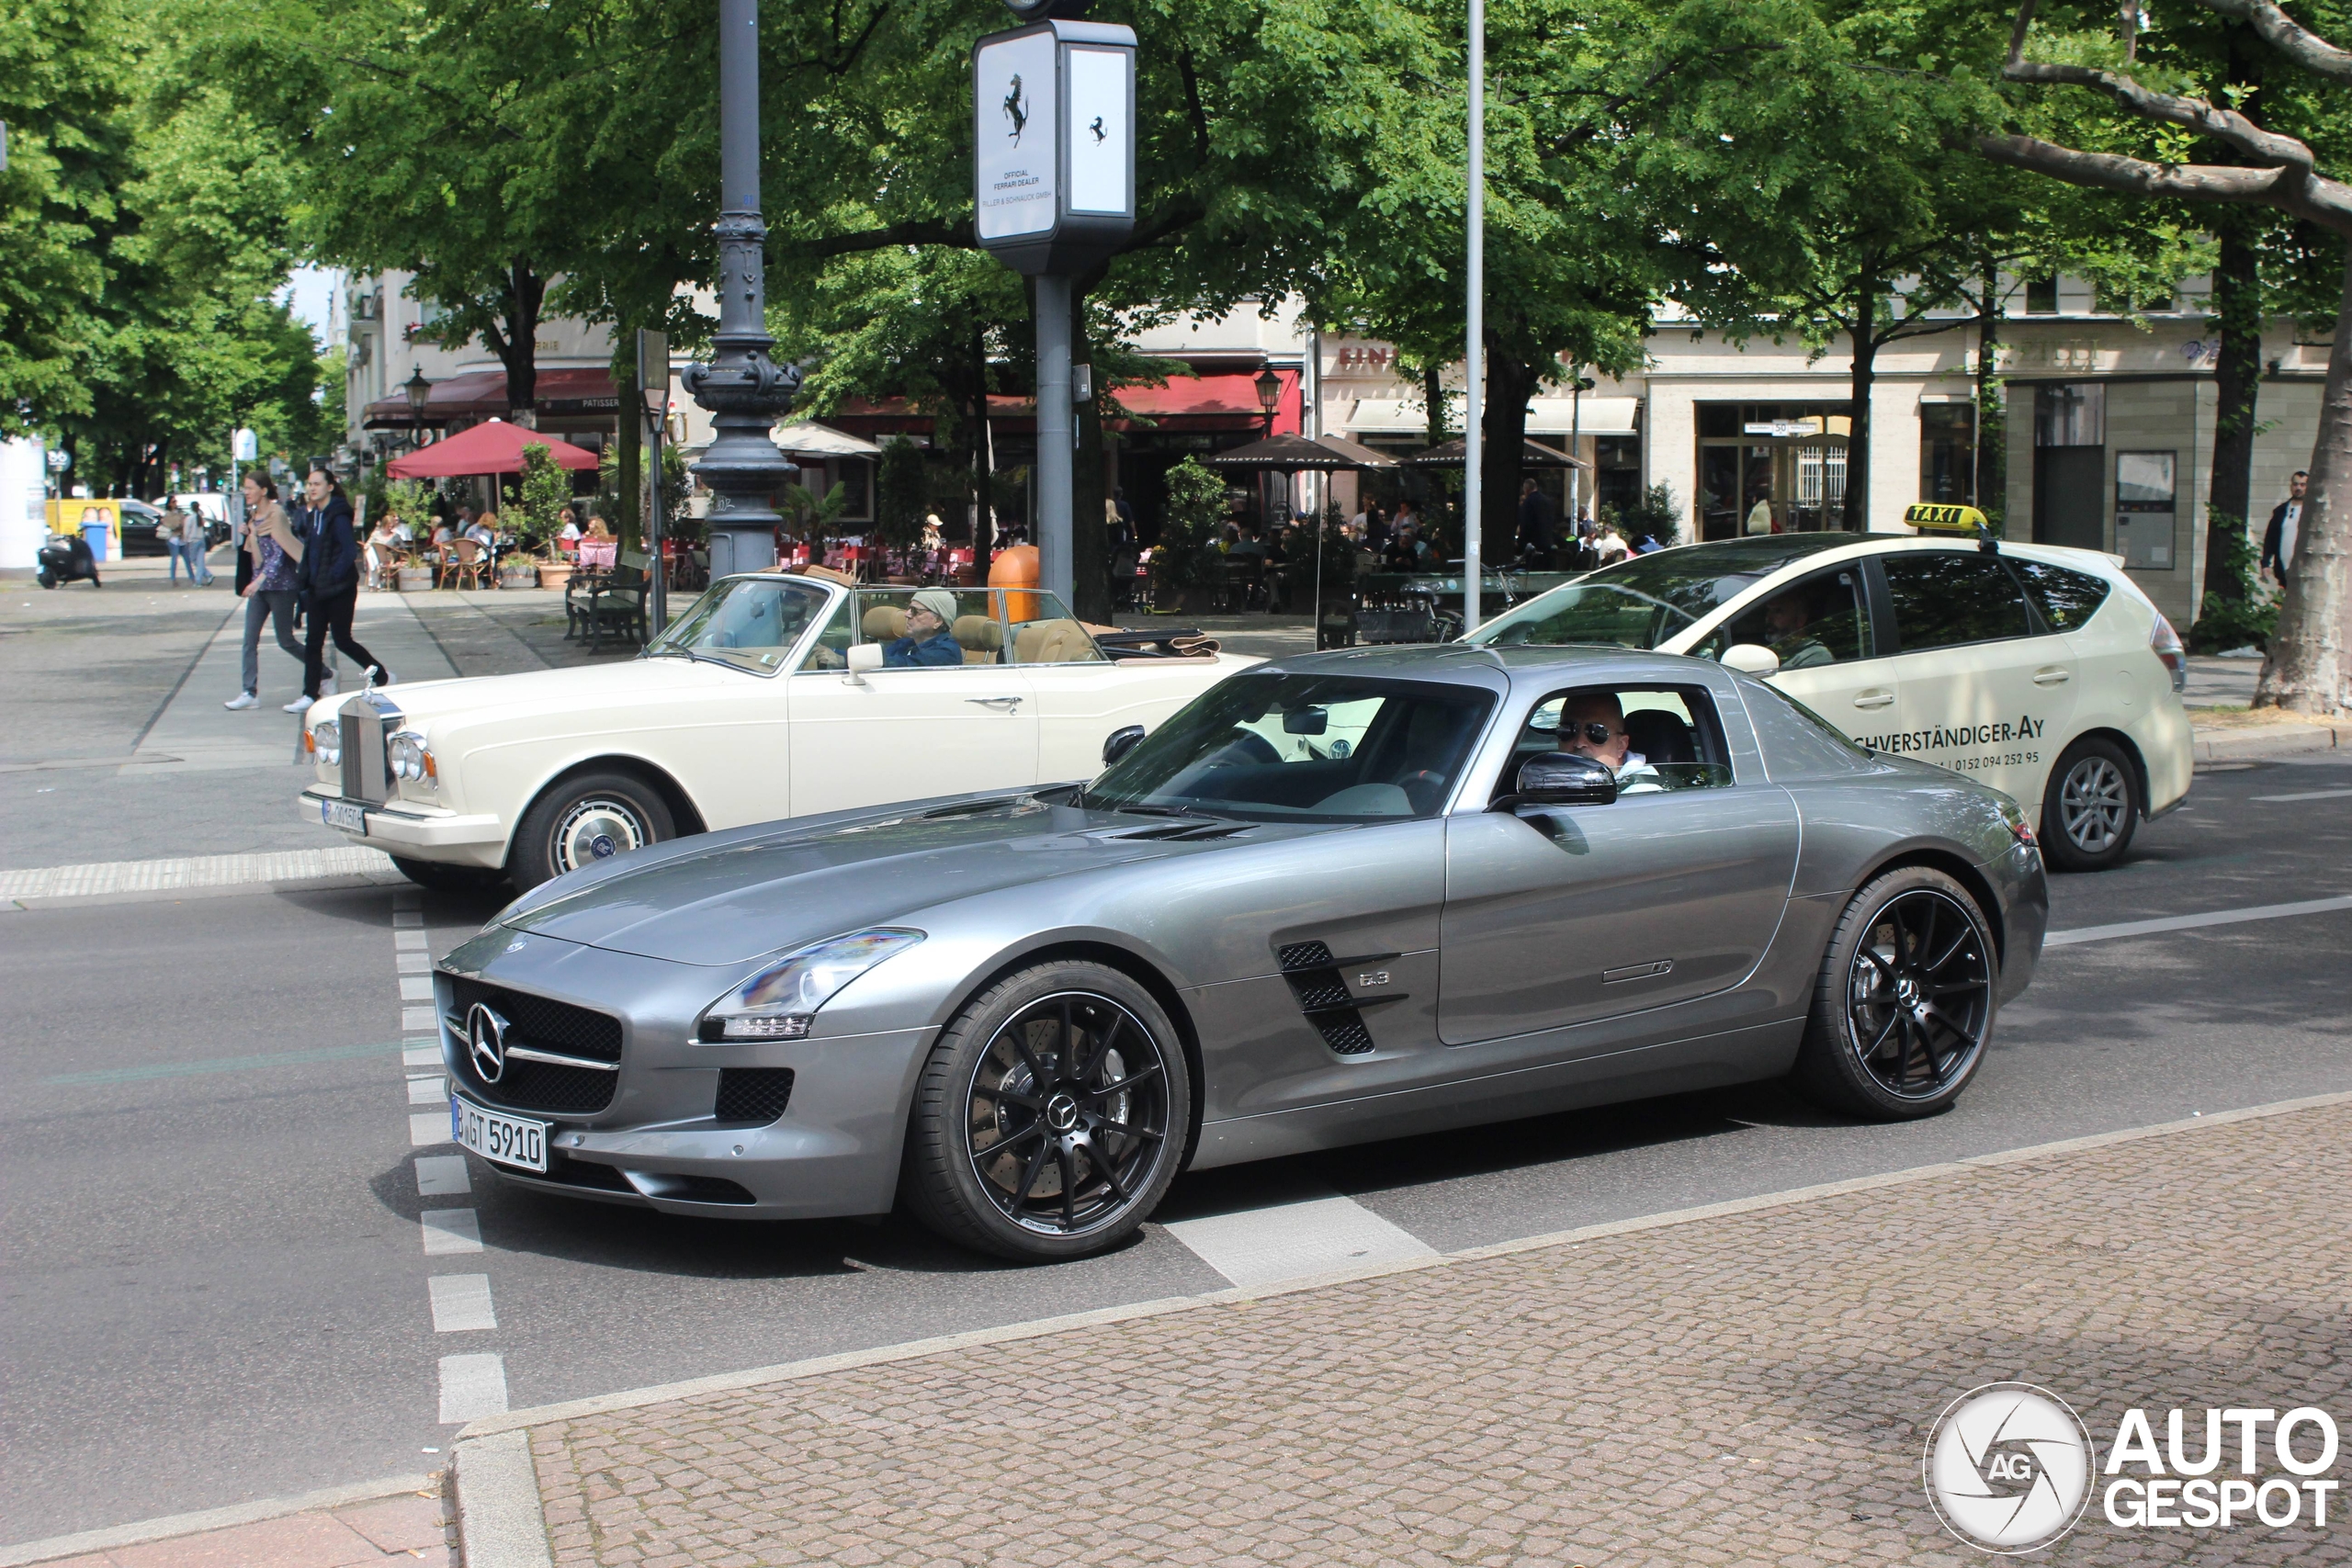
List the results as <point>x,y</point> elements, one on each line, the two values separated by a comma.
<point>409,762</point>
<point>326,739</point>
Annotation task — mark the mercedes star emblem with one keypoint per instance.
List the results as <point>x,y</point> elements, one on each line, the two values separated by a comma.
<point>486,1042</point>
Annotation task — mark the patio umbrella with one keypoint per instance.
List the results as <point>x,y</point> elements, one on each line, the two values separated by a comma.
<point>1289,454</point>
<point>1533,455</point>
<point>806,438</point>
<point>492,447</point>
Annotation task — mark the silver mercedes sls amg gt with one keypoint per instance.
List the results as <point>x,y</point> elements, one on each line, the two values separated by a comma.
<point>1345,896</point>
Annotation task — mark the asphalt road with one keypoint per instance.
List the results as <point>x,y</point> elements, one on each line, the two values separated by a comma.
<point>217,1287</point>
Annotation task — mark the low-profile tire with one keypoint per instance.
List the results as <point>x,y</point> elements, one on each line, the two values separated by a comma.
<point>2091,806</point>
<point>582,819</point>
<point>1903,1005</point>
<point>1050,1116</point>
<point>443,877</point>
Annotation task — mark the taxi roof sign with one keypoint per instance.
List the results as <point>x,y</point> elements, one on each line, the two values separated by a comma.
<point>1930,517</point>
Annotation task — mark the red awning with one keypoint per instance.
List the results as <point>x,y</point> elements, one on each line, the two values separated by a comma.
<point>1216,402</point>
<point>494,446</point>
<point>480,394</point>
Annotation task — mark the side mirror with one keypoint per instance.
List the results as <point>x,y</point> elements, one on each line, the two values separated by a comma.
<point>861,658</point>
<point>1561,778</point>
<point>1750,659</point>
<point>1121,742</point>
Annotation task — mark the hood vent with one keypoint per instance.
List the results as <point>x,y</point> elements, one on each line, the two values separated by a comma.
<point>1322,994</point>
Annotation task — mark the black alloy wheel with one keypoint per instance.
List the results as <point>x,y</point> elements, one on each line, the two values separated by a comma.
<point>2090,806</point>
<point>583,820</point>
<point>1051,1116</point>
<point>1903,1004</point>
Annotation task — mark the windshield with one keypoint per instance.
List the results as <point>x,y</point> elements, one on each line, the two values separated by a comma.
<point>1643,600</point>
<point>751,622</point>
<point>1303,748</point>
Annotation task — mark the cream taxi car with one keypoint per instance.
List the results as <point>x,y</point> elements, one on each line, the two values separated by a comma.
<point>2042,671</point>
<point>773,695</point>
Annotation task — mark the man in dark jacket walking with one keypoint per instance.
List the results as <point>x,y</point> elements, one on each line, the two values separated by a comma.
<point>328,582</point>
<point>2278,539</point>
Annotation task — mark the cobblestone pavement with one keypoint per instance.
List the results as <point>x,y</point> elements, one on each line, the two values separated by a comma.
<point>1746,1388</point>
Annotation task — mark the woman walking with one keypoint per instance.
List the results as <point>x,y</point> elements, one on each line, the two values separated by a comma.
<point>329,579</point>
<point>267,559</point>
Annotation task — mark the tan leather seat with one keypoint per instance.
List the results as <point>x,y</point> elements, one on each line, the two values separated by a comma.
<point>980,636</point>
<point>1051,642</point>
<point>884,623</point>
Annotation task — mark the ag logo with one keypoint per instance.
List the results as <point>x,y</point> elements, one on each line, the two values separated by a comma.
<point>486,1042</point>
<point>2009,1467</point>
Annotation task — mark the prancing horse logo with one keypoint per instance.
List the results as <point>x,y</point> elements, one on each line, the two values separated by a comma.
<point>1016,109</point>
<point>486,1042</point>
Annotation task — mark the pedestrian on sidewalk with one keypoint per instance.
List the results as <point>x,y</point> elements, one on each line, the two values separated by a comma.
<point>173,529</point>
<point>200,545</point>
<point>329,581</point>
<point>268,555</point>
<point>2286,523</point>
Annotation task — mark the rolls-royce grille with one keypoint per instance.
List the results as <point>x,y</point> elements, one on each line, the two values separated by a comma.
<point>539,1024</point>
<point>754,1094</point>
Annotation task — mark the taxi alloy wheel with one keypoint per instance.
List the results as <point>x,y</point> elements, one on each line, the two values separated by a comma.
<point>1904,1002</point>
<point>584,819</point>
<point>1051,1116</point>
<point>2091,807</point>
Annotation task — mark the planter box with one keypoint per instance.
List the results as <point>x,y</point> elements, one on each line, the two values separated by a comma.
<point>556,576</point>
<point>415,579</point>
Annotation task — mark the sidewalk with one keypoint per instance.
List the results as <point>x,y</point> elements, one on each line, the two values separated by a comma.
<point>404,1529</point>
<point>1748,1383</point>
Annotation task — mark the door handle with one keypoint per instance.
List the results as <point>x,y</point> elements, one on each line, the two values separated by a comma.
<point>1876,697</point>
<point>1007,703</point>
<point>2051,675</point>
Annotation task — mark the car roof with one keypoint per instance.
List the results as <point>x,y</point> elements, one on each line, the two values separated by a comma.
<point>1474,664</point>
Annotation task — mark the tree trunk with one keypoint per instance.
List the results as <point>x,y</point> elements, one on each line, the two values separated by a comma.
<point>2237,289</point>
<point>1509,382</point>
<point>524,291</point>
<point>1090,541</point>
<point>1863,333</point>
<point>2306,670</point>
<point>1433,395</point>
<point>1992,432</point>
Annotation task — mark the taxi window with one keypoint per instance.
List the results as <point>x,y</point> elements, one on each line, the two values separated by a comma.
<point>1947,599</point>
<point>2066,598</point>
<point>1659,740</point>
<point>1822,619</point>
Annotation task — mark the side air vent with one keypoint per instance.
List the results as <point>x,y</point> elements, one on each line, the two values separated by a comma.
<point>754,1094</point>
<point>1322,994</point>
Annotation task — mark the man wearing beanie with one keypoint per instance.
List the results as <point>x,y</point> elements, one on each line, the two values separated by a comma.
<point>928,615</point>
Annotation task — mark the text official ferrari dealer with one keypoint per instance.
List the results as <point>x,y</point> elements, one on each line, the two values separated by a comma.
<point>2042,671</point>
<point>1338,898</point>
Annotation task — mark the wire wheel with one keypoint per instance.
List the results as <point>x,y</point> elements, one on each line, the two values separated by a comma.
<point>1919,994</point>
<point>1067,1115</point>
<point>2094,805</point>
<point>595,828</point>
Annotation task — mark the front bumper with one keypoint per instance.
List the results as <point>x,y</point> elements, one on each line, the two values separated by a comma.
<point>416,833</point>
<point>659,1142</point>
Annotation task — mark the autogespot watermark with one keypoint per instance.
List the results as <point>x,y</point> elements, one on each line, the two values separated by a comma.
<point>2010,1467</point>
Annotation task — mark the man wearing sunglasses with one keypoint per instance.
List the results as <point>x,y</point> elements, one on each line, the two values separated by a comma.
<point>1592,723</point>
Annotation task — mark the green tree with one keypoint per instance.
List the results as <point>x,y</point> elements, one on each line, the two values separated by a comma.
<point>545,491</point>
<point>900,495</point>
<point>1180,561</point>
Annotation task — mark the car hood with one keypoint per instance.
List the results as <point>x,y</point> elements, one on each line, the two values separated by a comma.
<point>730,898</point>
<point>537,691</point>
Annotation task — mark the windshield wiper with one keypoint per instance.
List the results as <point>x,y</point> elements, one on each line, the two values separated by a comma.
<point>1138,810</point>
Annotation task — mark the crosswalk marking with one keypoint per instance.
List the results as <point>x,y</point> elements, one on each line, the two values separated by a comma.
<point>1293,1241</point>
<point>433,1090</point>
<point>426,1128</point>
<point>471,1388</point>
<point>460,1302</point>
<point>450,1231</point>
<point>440,1176</point>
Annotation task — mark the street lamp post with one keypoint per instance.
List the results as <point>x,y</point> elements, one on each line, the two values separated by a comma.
<point>653,391</point>
<point>743,389</point>
<point>1269,392</point>
<point>1474,414</point>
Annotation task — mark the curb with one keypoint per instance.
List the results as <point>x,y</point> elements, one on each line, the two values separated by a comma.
<point>2280,740</point>
<point>498,1496</point>
<point>173,1526</point>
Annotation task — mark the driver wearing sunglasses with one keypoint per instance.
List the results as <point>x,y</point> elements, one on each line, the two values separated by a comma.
<point>1592,723</point>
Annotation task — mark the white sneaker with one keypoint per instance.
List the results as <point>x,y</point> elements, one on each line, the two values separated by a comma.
<point>300,705</point>
<point>243,700</point>
<point>327,686</point>
<point>378,676</point>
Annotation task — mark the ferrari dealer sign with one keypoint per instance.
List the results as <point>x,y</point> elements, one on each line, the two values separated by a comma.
<point>1054,147</point>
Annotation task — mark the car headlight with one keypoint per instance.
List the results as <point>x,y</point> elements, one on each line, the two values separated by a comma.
<point>326,742</point>
<point>781,1002</point>
<point>410,760</point>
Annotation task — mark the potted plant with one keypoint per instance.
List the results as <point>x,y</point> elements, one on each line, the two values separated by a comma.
<point>545,491</point>
<point>1184,563</point>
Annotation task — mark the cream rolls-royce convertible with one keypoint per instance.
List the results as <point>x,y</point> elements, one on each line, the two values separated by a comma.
<point>773,695</point>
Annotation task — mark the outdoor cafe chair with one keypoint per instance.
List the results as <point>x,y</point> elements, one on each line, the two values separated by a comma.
<point>462,564</point>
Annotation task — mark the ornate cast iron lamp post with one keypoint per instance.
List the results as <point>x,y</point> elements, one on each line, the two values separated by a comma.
<point>745,391</point>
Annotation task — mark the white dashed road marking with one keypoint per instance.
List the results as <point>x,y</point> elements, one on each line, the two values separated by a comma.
<point>420,1053</point>
<point>433,1090</point>
<point>2312,794</point>
<point>441,1176</point>
<point>462,1302</point>
<point>471,1388</point>
<point>448,1231</point>
<point>407,940</point>
<point>412,963</point>
<point>407,917</point>
<point>1291,1241</point>
<point>415,1018</point>
<point>427,1128</point>
<point>417,988</point>
<point>2190,922</point>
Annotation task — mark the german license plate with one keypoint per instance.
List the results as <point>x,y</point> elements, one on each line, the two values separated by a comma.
<point>348,814</point>
<point>509,1140</point>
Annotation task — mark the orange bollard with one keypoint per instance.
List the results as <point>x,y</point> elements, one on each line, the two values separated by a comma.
<point>1016,566</point>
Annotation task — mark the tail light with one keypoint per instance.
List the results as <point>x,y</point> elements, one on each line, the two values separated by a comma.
<point>2165,643</point>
